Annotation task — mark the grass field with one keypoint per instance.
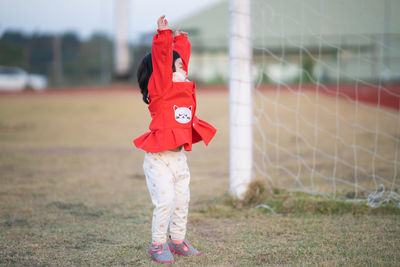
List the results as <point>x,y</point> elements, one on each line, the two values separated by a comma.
<point>72,192</point>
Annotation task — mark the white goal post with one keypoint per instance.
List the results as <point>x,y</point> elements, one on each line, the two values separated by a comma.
<point>240,93</point>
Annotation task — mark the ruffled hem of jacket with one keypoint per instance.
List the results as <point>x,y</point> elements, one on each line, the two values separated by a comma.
<point>202,130</point>
<point>171,138</point>
<point>164,139</point>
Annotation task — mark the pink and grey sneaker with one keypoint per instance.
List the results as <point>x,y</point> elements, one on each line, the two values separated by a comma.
<point>164,257</point>
<point>178,248</point>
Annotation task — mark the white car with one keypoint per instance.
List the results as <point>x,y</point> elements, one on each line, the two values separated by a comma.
<point>16,79</point>
<point>37,82</point>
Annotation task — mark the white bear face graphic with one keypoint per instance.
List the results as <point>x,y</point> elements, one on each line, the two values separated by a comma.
<point>183,114</point>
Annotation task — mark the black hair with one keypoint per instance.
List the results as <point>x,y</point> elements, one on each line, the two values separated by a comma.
<point>145,70</point>
<point>175,56</point>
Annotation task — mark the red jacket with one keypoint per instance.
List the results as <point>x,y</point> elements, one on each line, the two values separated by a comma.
<point>172,104</point>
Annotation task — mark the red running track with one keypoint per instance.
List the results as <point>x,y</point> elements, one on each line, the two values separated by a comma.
<point>385,95</point>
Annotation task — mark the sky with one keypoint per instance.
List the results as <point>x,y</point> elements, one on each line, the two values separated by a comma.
<point>87,16</point>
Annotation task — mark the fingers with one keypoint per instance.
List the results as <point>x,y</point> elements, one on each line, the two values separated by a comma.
<point>160,19</point>
<point>162,23</point>
<point>179,32</point>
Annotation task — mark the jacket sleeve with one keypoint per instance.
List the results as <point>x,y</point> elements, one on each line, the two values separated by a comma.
<point>161,57</point>
<point>183,46</point>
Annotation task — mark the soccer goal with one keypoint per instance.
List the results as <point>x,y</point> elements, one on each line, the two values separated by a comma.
<point>314,97</point>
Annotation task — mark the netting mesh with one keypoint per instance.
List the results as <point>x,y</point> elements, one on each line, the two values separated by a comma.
<point>326,105</point>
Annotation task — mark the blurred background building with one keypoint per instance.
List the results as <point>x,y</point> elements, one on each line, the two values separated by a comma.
<point>363,36</point>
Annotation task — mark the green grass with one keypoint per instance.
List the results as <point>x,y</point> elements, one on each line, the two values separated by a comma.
<point>72,192</point>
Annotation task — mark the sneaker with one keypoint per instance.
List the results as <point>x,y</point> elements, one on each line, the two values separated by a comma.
<point>178,248</point>
<point>164,257</point>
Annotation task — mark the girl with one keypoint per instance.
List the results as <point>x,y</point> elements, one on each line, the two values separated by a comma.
<point>172,105</point>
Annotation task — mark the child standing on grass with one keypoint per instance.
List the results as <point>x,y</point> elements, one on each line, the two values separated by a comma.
<point>162,77</point>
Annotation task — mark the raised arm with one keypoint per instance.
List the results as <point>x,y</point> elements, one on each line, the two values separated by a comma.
<point>182,46</point>
<point>161,55</point>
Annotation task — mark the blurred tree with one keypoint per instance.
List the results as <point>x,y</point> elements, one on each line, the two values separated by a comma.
<point>308,69</point>
<point>95,57</point>
<point>70,44</point>
<point>15,37</point>
<point>13,49</point>
<point>40,54</point>
<point>75,61</point>
<point>139,52</point>
<point>104,48</point>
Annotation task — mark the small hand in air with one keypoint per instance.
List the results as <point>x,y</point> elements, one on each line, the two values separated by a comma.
<point>179,32</point>
<point>162,23</point>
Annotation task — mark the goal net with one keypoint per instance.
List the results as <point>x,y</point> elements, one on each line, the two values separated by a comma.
<point>325,102</point>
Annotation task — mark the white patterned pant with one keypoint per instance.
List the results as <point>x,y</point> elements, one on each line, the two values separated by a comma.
<point>168,178</point>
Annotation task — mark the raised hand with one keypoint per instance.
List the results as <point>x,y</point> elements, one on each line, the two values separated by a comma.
<point>162,23</point>
<point>179,32</point>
